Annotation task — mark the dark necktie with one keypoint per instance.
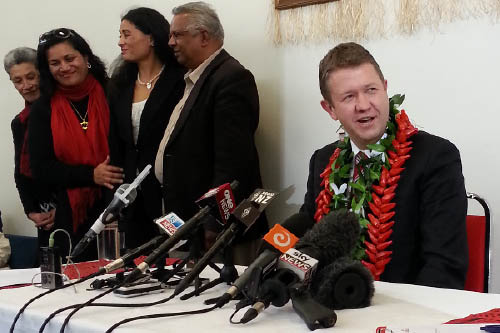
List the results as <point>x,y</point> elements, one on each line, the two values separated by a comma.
<point>358,168</point>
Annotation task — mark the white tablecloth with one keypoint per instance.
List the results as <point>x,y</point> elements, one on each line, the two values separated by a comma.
<point>396,305</point>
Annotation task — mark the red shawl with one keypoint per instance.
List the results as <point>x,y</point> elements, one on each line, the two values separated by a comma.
<point>73,145</point>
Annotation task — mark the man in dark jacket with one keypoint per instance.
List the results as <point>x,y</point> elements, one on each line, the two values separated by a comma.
<point>209,139</point>
<point>413,213</point>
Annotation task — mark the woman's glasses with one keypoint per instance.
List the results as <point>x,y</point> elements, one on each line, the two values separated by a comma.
<point>61,33</point>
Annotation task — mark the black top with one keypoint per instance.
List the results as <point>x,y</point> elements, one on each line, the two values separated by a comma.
<point>137,221</point>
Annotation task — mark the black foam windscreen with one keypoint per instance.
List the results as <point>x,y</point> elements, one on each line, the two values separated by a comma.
<point>334,236</point>
<point>344,284</point>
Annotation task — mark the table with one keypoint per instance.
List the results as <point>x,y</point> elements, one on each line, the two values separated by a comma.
<point>397,305</point>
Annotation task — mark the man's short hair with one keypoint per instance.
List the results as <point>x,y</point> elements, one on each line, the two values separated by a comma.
<point>202,16</point>
<point>345,55</point>
<point>18,56</point>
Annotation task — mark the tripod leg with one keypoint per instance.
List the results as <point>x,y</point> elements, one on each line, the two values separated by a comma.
<point>201,289</point>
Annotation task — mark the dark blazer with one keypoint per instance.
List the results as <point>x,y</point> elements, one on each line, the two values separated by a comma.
<point>168,90</point>
<point>213,140</point>
<point>429,239</point>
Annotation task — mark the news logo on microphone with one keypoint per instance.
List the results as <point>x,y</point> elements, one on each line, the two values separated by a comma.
<point>170,223</point>
<point>280,238</point>
<point>300,263</point>
<point>226,203</point>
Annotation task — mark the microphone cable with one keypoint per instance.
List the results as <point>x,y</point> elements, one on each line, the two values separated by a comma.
<point>78,307</point>
<point>51,244</point>
<point>160,315</point>
<point>116,305</point>
<point>16,318</point>
<point>240,305</point>
<point>101,271</point>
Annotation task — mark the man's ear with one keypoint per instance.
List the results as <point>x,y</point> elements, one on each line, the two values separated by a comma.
<point>330,109</point>
<point>205,38</point>
<point>385,85</point>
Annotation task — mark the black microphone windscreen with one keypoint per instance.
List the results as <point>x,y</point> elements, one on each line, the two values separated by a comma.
<point>334,236</point>
<point>344,284</point>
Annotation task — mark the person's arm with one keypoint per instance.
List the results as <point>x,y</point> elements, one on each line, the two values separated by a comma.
<point>309,205</point>
<point>24,184</point>
<point>236,116</point>
<point>116,144</point>
<point>443,210</point>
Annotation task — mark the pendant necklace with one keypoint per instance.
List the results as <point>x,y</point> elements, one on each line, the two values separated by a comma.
<point>84,123</point>
<point>149,84</point>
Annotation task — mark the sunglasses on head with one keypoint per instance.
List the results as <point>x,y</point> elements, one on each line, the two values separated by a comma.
<point>61,33</point>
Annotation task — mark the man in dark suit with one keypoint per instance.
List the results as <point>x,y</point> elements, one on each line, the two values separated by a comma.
<point>209,139</point>
<point>429,241</point>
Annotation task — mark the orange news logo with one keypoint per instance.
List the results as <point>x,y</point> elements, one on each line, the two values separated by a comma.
<point>281,238</point>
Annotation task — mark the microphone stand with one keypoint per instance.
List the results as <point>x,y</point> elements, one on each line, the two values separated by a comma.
<point>160,272</point>
<point>227,274</point>
<point>222,243</point>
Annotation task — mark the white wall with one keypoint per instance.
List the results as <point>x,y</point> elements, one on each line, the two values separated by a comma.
<point>449,78</point>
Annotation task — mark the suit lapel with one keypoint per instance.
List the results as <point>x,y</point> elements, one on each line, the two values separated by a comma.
<point>193,96</point>
<point>124,108</point>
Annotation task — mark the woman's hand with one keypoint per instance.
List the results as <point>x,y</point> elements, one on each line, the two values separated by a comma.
<point>43,220</point>
<point>107,175</point>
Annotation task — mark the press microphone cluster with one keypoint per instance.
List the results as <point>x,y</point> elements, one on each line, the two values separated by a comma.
<point>123,196</point>
<point>239,221</point>
<point>331,238</point>
<point>279,237</point>
<point>180,231</point>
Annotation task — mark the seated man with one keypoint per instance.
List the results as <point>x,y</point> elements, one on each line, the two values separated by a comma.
<point>405,185</point>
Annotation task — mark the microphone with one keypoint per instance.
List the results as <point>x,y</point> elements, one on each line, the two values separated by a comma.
<point>222,197</point>
<point>122,197</point>
<point>344,284</point>
<point>178,235</point>
<point>275,291</point>
<point>170,223</point>
<point>245,215</point>
<point>134,253</point>
<point>278,237</point>
<point>334,236</point>
<point>314,314</point>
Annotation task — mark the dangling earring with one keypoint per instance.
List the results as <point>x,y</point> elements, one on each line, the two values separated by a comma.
<point>152,43</point>
<point>89,66</point>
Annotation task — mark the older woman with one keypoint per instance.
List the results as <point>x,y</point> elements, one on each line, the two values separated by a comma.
<point>144,90</point>
<point>69,128</point>
<point>21,66</point>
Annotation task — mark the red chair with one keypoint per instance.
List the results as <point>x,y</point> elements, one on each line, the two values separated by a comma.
<point>478,238</point>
